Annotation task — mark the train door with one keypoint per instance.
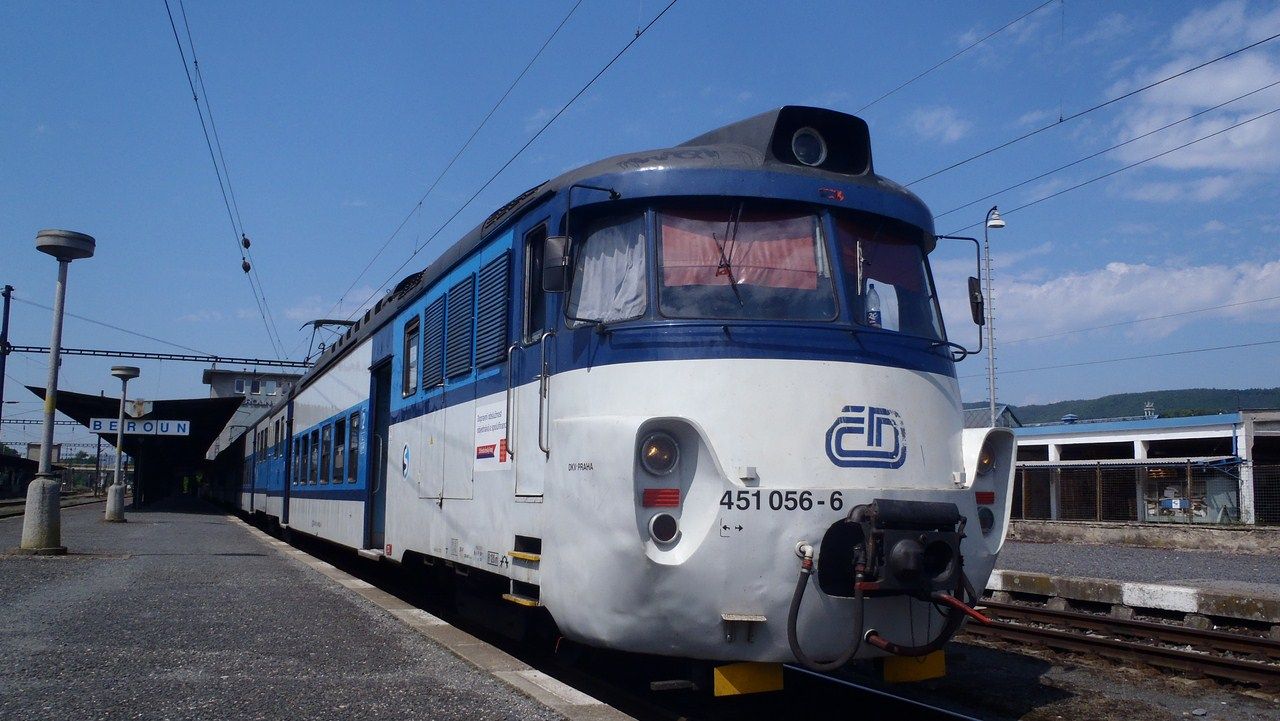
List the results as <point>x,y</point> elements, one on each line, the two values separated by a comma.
<point>377,464</point>
<point>528,435</point>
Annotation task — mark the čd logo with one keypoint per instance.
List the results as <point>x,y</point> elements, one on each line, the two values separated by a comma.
<point>867,437</point>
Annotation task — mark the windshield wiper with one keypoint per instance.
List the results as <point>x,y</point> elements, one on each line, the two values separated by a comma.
<point>731,236</point>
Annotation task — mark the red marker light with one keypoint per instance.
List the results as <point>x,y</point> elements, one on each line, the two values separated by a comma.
<point>661,498</point>
<point>984,498</point>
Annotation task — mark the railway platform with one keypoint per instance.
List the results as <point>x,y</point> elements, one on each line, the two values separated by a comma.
<point>1201,588</point>
<point>187,613</point>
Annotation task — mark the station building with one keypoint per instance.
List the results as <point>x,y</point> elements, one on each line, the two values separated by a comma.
<point>1214,469</point>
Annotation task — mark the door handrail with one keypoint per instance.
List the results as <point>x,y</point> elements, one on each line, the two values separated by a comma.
<point>378,461</point>
<point>544,391</point>
<point>511,419</point>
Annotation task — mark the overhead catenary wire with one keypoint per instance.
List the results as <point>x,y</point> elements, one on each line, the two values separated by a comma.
<point>112,327</point>
<point>1145,356</point>
<point>395,273</point>
<point>1089,110</point>
<point>276,346</point>
<point>1130,166</point>
<point>1117,146</point>
<point>254,269</point>
<point>417,208</point>
<point>958,53</point>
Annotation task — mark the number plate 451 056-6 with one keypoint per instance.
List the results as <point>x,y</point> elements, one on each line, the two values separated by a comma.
<point>759,500</point>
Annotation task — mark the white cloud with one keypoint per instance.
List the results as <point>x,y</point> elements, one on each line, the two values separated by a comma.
<point>1198,37</point>
<point>1035,117</point>
<point>1108,28</point>
<point>1213,226</point>
<point>1202,190</point>
<point>202,316</point>
<point>314,306</point>
<point>941,124</point>
<point>1121,292</point>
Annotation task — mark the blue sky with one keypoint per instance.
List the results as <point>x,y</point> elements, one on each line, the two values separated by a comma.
<point>336,117</point>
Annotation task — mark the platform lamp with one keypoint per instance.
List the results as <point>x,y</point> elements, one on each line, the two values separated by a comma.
<point>42,522</point>
<point>993,222</point>
<point>115,494</point>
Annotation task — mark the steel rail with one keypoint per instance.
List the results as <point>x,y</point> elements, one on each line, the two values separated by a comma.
<point>1219,641</point>
<point>1194,662</point>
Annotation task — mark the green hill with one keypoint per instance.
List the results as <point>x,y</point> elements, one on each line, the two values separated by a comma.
<point>1169,404</point>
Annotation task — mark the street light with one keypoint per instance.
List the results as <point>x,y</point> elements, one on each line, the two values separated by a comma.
<point>115,494</point>
<point>42,521</point>
<point>993,222</point>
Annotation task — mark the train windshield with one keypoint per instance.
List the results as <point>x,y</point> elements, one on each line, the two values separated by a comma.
<point>887,267</point>
<point>742,263</point>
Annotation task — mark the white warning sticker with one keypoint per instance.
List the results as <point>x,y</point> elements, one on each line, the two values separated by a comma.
<point>491,438</point>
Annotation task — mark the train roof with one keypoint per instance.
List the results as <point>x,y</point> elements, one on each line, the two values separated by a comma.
<point>761,142</point>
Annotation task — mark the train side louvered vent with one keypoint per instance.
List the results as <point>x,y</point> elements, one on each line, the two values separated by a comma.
<point>460,321</point>
<point>433,345</point>
<point>491,314</point>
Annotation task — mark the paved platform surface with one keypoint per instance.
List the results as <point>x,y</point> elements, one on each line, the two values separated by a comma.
<point>1150,565</point>
<point>182,614</point>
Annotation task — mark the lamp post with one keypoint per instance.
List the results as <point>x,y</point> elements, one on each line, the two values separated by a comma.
<point>42,521</point>
<point>993,221</point>
<point>115,494</point>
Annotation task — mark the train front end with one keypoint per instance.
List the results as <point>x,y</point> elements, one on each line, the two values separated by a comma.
<point>756,409</point>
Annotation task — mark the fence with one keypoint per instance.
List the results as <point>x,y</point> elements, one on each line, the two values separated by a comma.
<point>1148,492</point>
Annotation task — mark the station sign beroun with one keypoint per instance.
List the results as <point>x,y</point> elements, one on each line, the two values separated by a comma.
<point>141,428</point>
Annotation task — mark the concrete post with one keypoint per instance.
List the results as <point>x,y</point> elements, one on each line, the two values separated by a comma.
<point>1248,514</point>
<point>115,494</point>
<point>1055,482</point>
<point>1140,451</point>
<point>42,520</point>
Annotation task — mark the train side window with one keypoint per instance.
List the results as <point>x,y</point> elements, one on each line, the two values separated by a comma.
<point>491,312</point>
<point>535,300</point>
<point>339,450</point>
<point>460,322</point>
<point>433,345</point>
<point>609,280</point>
<point>315,457</point>
<point>293,464</point>
<point>353,462</point>
<point>275,436</point>
<point>304,457</point>
<point>409,370</point>
<point>326,452</point>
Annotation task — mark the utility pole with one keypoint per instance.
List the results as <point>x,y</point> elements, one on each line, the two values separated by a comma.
<point>4,341</point>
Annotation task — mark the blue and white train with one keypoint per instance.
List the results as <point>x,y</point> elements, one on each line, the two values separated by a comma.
<point>697,402</point>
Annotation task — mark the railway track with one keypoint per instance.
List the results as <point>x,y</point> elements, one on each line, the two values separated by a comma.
<point>1216,654</point>
<point>623,680</point>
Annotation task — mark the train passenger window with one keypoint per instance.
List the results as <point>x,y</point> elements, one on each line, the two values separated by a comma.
<point>491,312</point>
<point>353,443</point>
<point>304,455</point>
<point>409,369</point>
<point>315,457</point>
<point>293,465</point>
<point>275,435</point>
<point>433,345</point>
<point>326,452</point>
<point>535,300</point>
<point>339,450</point>
<point>737,262</point>
<point>460,322</point>
<point>885,265</point>
<point>609,280</point>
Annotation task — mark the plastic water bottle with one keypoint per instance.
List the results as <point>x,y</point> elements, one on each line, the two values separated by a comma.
<point>873,306</point>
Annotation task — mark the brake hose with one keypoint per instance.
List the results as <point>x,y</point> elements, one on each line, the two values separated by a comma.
<point>806,570</point>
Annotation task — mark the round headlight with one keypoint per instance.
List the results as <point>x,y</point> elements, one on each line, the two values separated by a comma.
<point>986,460</point>
<point>659,453</point>
<point>663,528</point>
<point>809,147</point>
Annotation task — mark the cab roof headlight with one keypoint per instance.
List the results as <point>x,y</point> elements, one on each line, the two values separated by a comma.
<point>659,453</point>
<point>809,147</point>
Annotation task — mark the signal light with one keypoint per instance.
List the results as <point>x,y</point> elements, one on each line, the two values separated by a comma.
<point>984,498</point>
<point>986,460</point>
<point>659,453</point>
